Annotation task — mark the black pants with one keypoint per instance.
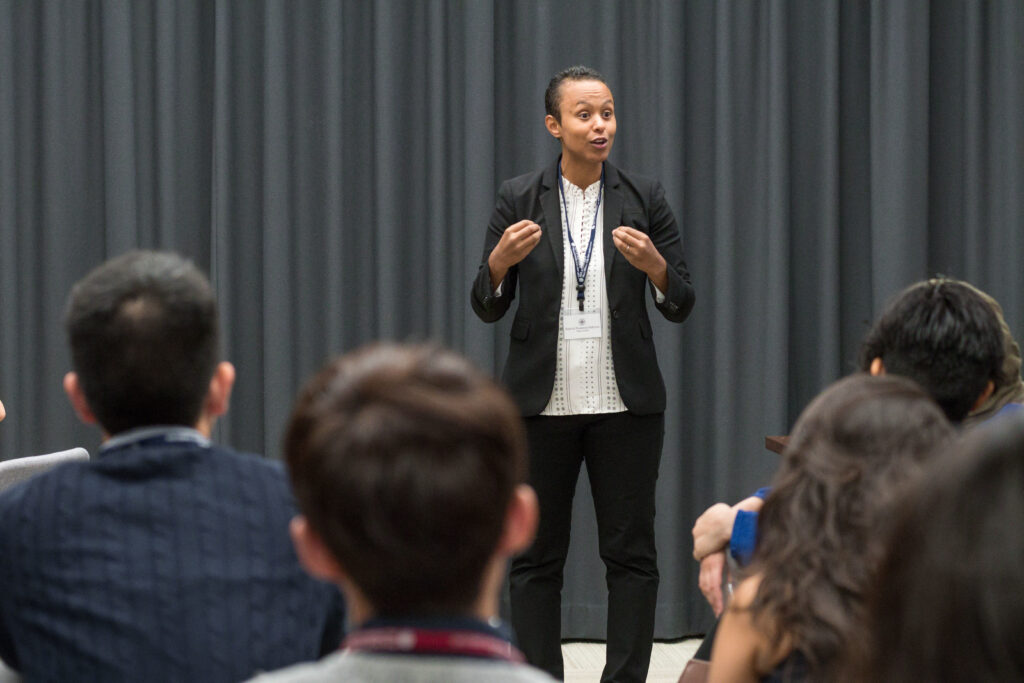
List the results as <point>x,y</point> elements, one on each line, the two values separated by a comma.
<point>622,452</point>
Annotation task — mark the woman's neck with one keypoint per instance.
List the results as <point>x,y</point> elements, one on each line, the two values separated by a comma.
<point>581,174</point>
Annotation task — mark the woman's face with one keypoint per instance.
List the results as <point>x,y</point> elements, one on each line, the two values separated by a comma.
<point>587,128</point>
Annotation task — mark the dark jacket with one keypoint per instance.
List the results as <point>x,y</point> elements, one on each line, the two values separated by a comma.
<point>630,200</point>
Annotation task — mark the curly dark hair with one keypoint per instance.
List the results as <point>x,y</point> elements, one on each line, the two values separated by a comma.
<point>853,449</point>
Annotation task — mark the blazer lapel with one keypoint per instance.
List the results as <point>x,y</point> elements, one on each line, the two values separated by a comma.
<point>612,217</point>
<point>550,203</point>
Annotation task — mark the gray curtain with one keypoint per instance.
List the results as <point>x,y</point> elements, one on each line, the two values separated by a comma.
<point>332,165</point>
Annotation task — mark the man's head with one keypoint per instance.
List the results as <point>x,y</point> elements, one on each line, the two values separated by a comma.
<point>144,344</point>
<point>943,335</point>
<point>407,464</point>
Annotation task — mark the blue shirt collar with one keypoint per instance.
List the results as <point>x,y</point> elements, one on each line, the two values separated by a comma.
<point>164,433</point>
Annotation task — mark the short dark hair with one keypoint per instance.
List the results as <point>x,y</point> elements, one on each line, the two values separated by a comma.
<point>552,96</point>
<point>404,460</point>
<point>852,452</point>
<point>143,334</point>
<point>943,335</point>
<point>948,600</point>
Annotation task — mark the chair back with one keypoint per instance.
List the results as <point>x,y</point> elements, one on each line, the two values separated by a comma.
<point>20,469</point>
<point>696,671</point>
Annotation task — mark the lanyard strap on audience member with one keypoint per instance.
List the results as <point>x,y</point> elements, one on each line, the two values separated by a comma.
<point>443,642</point>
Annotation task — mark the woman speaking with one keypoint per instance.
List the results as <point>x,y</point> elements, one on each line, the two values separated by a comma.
<point>582,241</point>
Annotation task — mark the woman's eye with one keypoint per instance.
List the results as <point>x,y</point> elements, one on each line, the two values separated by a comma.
<point>584,115</point>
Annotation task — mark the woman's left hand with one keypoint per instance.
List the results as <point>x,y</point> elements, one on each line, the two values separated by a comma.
<point>638,249</point>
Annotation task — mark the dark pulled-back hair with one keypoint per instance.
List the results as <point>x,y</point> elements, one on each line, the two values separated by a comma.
<point>853,449</point>
<point>943,335</point>
<point>948,600</point>
<point>404,459</point>
<point>143,334</point>
<point>553,95</point>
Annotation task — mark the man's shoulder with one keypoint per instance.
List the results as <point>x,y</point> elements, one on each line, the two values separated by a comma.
<point>412,668</point>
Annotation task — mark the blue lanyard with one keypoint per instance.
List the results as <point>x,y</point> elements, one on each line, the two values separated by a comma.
<point>581,272</point>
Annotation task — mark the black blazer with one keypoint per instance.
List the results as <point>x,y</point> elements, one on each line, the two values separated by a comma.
<point>630,200</point>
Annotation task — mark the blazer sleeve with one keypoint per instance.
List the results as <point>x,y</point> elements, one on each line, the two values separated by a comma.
<point>664,233</point>
<point>488,306</point>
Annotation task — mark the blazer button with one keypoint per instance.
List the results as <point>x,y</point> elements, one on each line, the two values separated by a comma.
<point>615,314</point>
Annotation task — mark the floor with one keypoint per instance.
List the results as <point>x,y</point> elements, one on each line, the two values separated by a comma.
<point>584,661</point>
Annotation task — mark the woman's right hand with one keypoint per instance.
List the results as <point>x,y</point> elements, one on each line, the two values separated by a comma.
<point>516,242</point>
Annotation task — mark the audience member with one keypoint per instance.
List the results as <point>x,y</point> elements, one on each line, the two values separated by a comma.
<point>948,601</point>
<point>1009,387</point>
<point>946,335</point>
<point>408,465</point>
<point>853,450</point>
<point>166,558</point>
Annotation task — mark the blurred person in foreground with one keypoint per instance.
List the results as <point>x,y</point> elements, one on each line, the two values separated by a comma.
<point>948,599</point>
<point>166,557</point>
<point>853,451</point>
<point>946,335</point>
<point>408,465</point>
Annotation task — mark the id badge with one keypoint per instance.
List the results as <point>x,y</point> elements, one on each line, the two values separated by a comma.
<point>577,325</point>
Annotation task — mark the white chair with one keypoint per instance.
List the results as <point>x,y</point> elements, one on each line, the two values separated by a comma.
<point>20,469</point>
<point>8,675</point>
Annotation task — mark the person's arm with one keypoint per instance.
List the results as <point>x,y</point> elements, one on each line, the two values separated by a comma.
<point>659,254</point>
<point>508,242</point>
<point>712,575</point>
<point>743,652</point>
<point>714,528</point>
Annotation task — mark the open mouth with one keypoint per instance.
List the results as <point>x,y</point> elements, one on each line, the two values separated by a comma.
<point>599,142</point>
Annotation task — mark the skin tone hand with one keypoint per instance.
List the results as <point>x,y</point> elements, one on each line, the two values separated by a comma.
<point>516,242</point>
<point>638,249</point>
<point>712,530</point>
<point>711,572</point>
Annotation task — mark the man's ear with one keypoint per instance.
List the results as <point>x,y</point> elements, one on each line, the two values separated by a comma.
<point>73,388</point>
<point>553,126</point>
<point>218,398</point>
<point>984,396</point>
<point>877,368</point>
<point>520,522</point>
<point>313,554</point>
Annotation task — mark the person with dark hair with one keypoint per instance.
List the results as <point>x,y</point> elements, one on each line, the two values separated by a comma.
<point>408,465</point>
<point>1009,387</point>
<point>948,336</point>
<point>166,558</point>
<point>943,335</point>
<point>853,451</point>
<point>582,241</point>
<point>948,599</point>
